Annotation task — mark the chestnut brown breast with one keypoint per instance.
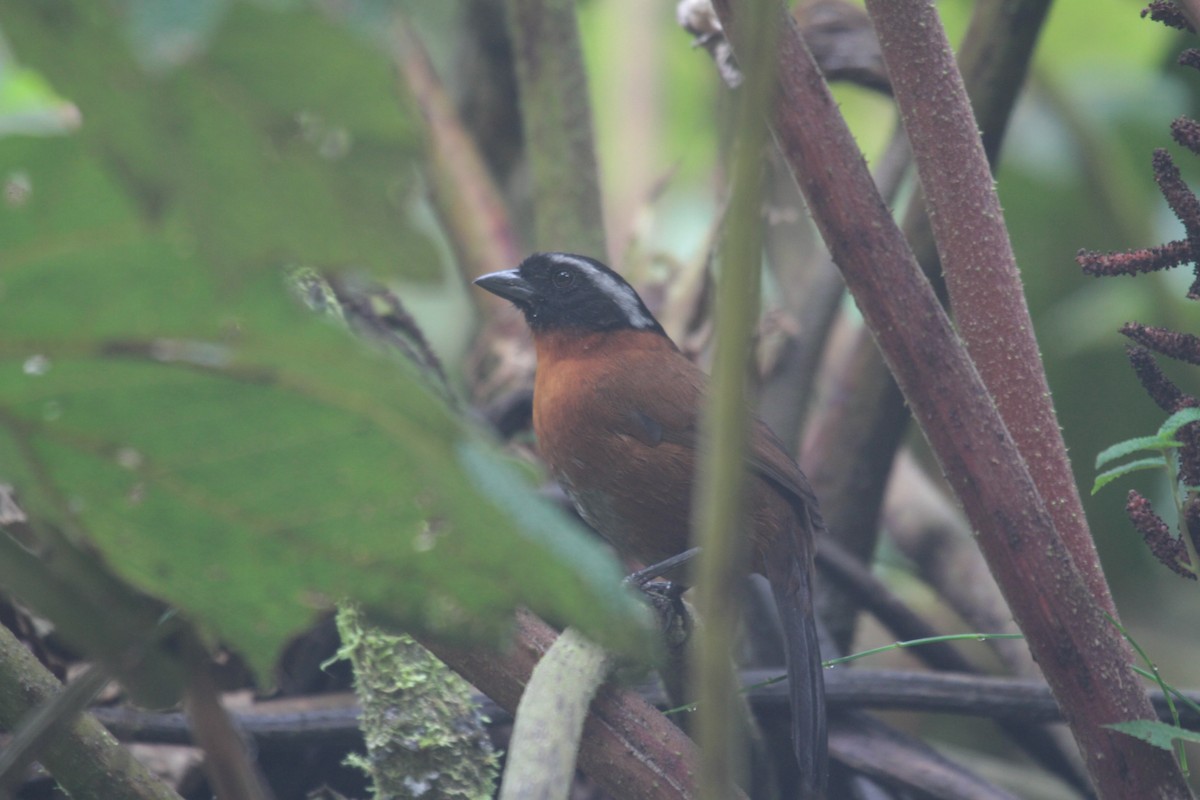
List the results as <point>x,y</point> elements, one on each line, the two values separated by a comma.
<point>615,416</point>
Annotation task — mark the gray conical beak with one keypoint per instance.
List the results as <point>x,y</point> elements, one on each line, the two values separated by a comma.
<point>508,284</point>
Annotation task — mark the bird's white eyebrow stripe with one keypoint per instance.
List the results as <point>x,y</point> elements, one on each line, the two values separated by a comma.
<point>621,294</point>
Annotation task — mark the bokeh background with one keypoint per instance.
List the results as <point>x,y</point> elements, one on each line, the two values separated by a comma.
<point>1075,173</point>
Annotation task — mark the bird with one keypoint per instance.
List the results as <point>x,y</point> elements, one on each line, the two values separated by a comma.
<point>616,418</point>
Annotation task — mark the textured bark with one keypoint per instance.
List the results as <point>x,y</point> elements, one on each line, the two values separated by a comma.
<point>977,259</point>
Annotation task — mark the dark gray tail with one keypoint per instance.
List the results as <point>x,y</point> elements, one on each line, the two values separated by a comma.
<point>789,570</point>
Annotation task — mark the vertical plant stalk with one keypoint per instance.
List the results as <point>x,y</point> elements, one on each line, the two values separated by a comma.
<point>1084,660</point>
<point>721,476</point>
<point>473,214</point>
<point>977,259</point>
<point>467,199</point>
<point>993,60</point>
<point>852,435</point>
<point>558,126</point>
<point>849,447</point>
<point>227,759</point>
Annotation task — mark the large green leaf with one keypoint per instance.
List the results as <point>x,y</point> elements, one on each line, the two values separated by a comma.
<point>284,138</point>
<point>226,450</point>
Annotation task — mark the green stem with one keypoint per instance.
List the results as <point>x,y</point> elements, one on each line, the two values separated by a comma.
<point>1178,493</point>
<point>956,637</point>
<point>719,509</point>
<point>1171,688</point>
<point>1156,676</point>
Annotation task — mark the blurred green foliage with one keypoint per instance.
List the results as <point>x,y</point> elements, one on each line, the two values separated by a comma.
<point>163,396</point>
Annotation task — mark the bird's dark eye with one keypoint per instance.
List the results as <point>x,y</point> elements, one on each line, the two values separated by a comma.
<point>563,279</point>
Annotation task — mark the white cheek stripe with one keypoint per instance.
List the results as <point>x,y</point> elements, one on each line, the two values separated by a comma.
<point>620,293</point>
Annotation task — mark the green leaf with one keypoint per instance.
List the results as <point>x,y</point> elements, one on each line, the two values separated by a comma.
<point>1177,420</point>
<point>1142,443</point>
<point>1159,734</point>
<point>1108,476</point>
<point>252,483</point>
<point>162,395</point>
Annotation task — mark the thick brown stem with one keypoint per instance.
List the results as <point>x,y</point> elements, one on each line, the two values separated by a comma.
<point>977,259</point>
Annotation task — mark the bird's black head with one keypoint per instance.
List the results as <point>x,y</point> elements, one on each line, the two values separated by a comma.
<point>560,290</point>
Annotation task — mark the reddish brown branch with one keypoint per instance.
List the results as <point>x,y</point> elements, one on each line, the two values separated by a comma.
<point>853,433</point>
<point>977,259</point>
<point>628,747</point>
